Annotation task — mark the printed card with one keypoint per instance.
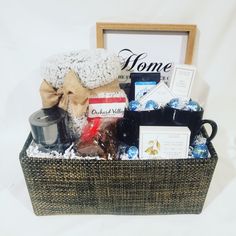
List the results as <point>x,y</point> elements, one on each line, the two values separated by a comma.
<point>142,88</point>
<point>106,107</point>
<point>160,94</point>
<point>182,80</point>
<point>163,142</point>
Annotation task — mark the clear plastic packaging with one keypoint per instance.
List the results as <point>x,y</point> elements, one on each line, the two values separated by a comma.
<point>98,138</point>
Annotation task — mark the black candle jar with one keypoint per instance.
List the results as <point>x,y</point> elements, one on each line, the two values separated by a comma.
<point>49,128</point>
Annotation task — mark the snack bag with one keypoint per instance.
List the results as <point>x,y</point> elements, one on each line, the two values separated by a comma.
<point>98,138</point>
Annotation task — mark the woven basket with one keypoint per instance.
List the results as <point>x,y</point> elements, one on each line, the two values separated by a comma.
<point>64,186</point>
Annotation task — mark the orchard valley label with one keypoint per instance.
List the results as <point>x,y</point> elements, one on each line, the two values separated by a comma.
<point>106,107</point>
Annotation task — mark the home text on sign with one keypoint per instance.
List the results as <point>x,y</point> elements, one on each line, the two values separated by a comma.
<point>131,60</point>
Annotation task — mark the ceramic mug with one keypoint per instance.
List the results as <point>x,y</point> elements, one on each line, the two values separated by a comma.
<point>128,127</point>
<point>192,119</point>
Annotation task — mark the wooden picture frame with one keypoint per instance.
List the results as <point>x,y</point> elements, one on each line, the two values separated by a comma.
<point>103,27</point>
<point>148,48</point>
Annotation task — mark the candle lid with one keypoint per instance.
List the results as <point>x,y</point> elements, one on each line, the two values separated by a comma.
<point>47,116</point>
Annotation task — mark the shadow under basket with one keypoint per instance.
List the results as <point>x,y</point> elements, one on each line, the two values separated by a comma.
<point>137,187</point>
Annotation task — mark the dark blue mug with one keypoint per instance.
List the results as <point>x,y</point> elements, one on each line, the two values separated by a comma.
<point>128,127</point>
<point>192,119</point>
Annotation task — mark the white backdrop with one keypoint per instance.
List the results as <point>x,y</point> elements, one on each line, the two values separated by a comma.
<point>31,30</point>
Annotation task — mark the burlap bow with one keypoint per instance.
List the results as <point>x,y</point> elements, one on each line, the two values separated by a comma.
<point>72,94</point>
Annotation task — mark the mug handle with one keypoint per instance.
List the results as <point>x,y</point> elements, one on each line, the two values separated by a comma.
<point>214,128</point>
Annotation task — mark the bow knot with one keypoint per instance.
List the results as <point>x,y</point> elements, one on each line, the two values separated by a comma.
<point>72,94</point>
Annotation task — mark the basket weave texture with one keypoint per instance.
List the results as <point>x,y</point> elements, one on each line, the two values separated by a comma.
<point>144,187</point>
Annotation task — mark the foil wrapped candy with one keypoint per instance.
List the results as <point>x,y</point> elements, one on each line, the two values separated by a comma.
<point>150,105</point>
<point>182,104</point>
<point>199,148</point>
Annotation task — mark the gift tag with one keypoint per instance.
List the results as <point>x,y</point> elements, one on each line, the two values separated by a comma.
<point>182,80</point>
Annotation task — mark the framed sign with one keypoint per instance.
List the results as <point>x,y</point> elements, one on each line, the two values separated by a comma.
<point>148,47</point>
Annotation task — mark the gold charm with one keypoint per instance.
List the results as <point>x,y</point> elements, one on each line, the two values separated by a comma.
<point>154,147</point>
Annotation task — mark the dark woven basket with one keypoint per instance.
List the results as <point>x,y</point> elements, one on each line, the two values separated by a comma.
<point>64,186</point>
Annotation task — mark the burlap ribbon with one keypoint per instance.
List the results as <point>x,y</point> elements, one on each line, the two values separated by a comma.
<point>72,94</point>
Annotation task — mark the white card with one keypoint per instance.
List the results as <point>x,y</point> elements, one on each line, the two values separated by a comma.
<point>163,142</point>
<point>160,94</point>
<point>143,87</point>
<point>182,80</point>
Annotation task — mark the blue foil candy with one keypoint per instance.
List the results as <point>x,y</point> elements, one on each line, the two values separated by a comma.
<point>134,105</point>
<point>151,105</point>
<point>193,106</point>
<point>132,152</point>
<point>174,103</point>
<point>200,151</point>
<point>199,139</point>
